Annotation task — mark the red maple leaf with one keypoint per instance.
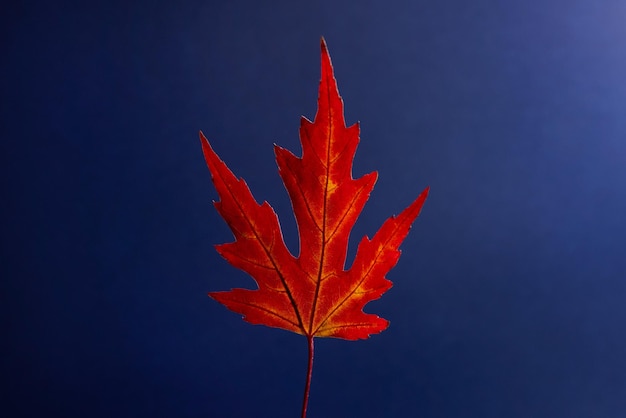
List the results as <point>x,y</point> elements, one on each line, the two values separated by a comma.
<point>312,294</point>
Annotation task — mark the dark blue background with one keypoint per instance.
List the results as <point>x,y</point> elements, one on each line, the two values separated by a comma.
<point>509,300</point>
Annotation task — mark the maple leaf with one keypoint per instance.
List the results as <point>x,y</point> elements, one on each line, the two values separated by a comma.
<point>312,294</point>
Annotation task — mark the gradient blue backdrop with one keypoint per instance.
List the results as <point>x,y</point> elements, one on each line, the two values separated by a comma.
<point>509,300</point>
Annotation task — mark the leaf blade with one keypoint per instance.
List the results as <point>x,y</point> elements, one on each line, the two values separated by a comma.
<point>311,294</point>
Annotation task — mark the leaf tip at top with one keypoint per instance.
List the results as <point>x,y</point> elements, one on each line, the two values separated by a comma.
<point>327,65</point>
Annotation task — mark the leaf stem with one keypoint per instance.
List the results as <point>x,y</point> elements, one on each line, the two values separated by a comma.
<point>309,372</point>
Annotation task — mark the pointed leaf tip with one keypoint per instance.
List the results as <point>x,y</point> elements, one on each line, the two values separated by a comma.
<point>327,65</point>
